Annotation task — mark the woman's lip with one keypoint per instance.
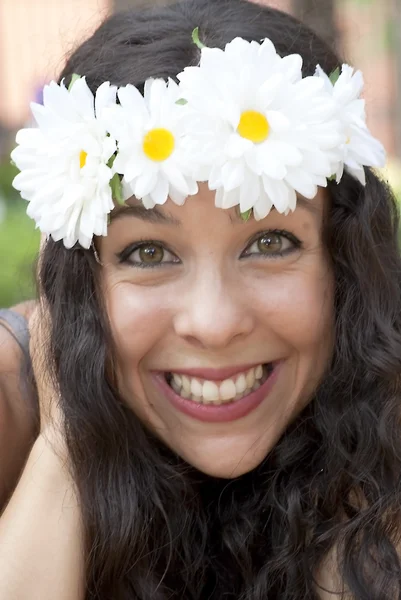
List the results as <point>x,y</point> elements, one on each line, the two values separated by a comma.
<point>217,413</point>
<point>215,374</point>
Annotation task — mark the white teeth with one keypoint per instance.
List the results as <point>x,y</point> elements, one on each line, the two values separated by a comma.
<point>186,384</point>
<point>175,387</point>
<point>177,380</point>
<point>250,378</point>
<point>259,372</point>
<point>240,384</point>
<point>228,390</point>
<point>196,388</point>
<point>210,392</point>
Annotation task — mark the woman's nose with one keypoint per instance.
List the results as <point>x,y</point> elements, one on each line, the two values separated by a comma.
<point>213,314</point>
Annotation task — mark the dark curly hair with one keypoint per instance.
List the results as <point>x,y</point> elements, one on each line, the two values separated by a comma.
<point>156,528</point>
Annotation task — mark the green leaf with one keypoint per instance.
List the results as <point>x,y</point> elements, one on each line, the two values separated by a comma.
<point>117,188</point>
<point>334,76</point>
<point>245,216</point>
<point>196,40</point>
<point>182,102</point>
<point>74,78</point>
<point>111,160</point>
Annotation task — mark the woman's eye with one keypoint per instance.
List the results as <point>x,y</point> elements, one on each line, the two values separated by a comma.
<point>274,244</point>
<point>148,254</point>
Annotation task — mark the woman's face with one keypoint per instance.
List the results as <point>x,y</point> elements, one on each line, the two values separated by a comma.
<point>223,328</point>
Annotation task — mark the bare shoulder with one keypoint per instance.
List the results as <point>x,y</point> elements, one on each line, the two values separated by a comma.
<point>17,416</point>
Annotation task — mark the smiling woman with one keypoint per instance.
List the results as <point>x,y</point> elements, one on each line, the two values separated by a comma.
<point>244,324</point>
<point>220,321</point>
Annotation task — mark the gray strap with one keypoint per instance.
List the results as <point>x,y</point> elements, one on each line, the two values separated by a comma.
<point>17,326</point>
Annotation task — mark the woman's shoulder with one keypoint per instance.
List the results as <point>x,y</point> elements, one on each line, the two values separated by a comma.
<point>18,416</point>
<point>14,336</point>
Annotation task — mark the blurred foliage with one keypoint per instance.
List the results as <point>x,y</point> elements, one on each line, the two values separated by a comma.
<point>19,243</point>
<point>7,173</point>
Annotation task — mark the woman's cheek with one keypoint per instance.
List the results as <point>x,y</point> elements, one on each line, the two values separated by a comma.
<point>138,318</point>
<point>297,306</point>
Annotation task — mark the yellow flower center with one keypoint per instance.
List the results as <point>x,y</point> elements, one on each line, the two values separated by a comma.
<point>158,144</point>
<point>82,159</point>
<point>253,126</point>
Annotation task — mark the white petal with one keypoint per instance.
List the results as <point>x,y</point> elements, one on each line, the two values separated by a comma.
<point>154,92</point>
<point>176,196</point>
<point>148,202</point>
<point>278,194</point>
<point>159,194</point>
<point>132,101</point>
<point>230,199</point>
<point>277,121</point>
<point>291,66</point>
<point>272,165</point>
<point>249,191</point>
<point>236,146</point>
<point>56,101</point>
<point>254,160</point>
<point>145,183</point>
<point>323,75</point>
<point>358,173</point>
<point>302,182</point>
<point>127,191</point>
<point>132,169</point>
<point>175,177</point>
<point>83,97</point>
<point>219,196</point>
<point>29,138</point>
<point>105,97</point>
<point>262,208</point>
<point>268,90</point>
<point>232,175</point>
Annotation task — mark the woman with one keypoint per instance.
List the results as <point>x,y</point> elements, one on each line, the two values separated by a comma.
<point>220,397</point>
<point>18,421</point>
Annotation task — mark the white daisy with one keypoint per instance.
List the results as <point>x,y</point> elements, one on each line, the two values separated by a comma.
<point>360,148</point>
<point>64,163</point>
<point>260,131</point>
<point>152,144</point>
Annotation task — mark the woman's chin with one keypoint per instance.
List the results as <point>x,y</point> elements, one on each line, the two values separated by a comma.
<point>227,467</point>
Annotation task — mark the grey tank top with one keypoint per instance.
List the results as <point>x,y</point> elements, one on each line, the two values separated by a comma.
<point>17,326</point>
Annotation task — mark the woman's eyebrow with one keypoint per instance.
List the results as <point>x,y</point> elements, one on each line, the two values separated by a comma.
<point>152,215</point>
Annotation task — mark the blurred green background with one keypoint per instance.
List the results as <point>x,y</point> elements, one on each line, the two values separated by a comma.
<point>19,243</point>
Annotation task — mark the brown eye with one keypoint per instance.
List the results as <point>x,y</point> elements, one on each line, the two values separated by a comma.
<point>270,243</point>
<point>274,244</point>
<point>151,254</point>
<point>148,254</point>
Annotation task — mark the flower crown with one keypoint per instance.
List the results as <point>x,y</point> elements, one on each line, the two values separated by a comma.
<point>244,120</point>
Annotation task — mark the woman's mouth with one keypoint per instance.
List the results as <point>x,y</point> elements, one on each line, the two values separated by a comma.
<point>215,401</point>
<point>203,391</point>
